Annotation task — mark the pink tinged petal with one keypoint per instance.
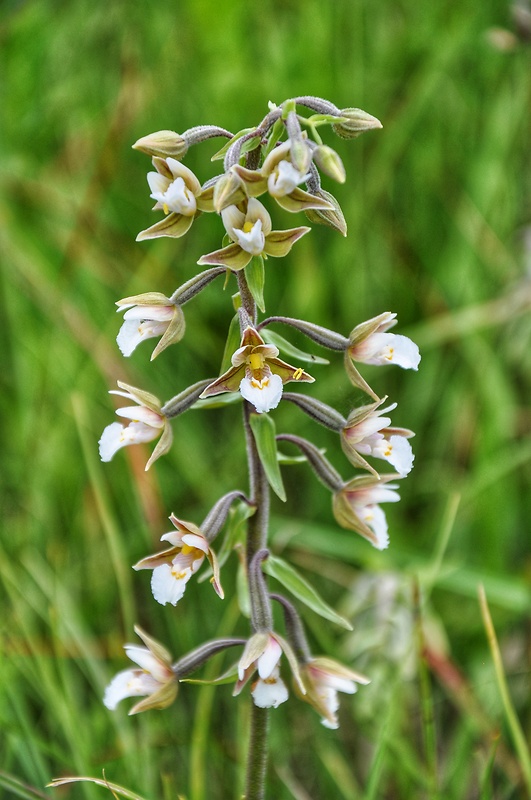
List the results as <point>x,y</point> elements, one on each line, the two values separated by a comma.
<point>252,241</point>
<point>129,683</point>
<point>147,661</point>
<point>142,414</point>
<point>157,313</point>
<point>397,451</point>
<point>269,659</point>
<point>264,394</point>
<point>173,537</point>
<point>328,698</point>
<point>168,584</point>
<point>270,692</point>
<point>197,541</point>
<point>374,517</point>
<point>387,348</point>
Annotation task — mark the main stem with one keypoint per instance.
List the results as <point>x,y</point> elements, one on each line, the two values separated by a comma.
<point>256,540</point>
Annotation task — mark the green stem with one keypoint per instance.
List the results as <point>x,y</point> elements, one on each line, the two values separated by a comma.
<point>257,758</point>
<point>256,540</point>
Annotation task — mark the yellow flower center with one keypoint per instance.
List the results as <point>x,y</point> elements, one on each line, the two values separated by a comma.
<point>248,226</point>
<point>256,361</point>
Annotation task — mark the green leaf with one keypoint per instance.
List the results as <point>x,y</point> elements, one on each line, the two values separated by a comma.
<point>294,582</point>
<point>231,345</point>
<point>112,787</point>
<point>250,144</point>
<point>263,429</point>
<point>218,401</point>
<point>289,349</point>
<point>255,275</point>
<point>221,153</point>
<point>227,677</point>
<point>19,789</point>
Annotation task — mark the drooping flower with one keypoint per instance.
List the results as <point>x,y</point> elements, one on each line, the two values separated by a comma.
<point>147,316</point>
<point>251,234</point>
<point>173,568</point>
<point>147,422</point>
<point>262,654</point>
<point>356,506</point>
<point>369,343</point>
<point>257,373</point>
<point>155,678</point>
<point>178,193</point>
<point>323,679</point>
<point>367,433</point>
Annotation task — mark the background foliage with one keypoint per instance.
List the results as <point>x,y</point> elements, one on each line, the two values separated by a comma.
<point>438,211</point>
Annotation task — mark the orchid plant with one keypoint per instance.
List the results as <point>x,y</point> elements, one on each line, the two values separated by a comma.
<point>271,161</point>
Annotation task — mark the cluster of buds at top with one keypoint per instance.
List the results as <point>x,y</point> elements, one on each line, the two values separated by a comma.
<point>280,160</point>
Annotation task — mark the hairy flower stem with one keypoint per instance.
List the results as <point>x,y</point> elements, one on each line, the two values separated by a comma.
<point>257,531</point>
<point>257,758</point>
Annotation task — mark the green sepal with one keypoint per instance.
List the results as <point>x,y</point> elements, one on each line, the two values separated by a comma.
<point>263,428</point>
<point>291,580</point>
<point>289,349</point>
<point>250,144</point>
<point>255,275</point>
<point>228,677</point>
<point>321,119</point>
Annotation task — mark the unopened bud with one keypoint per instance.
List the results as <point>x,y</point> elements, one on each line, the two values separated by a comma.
<point>329,162</point>
<point>354,122</point>
<point>163,144</point>
<point>333,218</point>
<point>229,190</point>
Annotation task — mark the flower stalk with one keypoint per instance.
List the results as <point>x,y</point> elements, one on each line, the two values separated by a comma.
<point>281,160</point>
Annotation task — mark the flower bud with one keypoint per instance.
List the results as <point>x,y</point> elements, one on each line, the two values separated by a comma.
<point>355,122</point>
<point>333,218</point>
<point>329,162</point>
<point>163,144</point>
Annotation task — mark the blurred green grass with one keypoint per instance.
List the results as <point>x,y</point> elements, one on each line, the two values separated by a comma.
<point>438,207</point>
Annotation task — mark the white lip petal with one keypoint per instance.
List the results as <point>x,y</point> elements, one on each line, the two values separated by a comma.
<point>252,241</point>
<point>270,693</point>
<point>132,333</point>
<point>129,683</point>
<point>397,451</point>
<point>265,394</point>
<point>168,585</point>
<point>374,517</point>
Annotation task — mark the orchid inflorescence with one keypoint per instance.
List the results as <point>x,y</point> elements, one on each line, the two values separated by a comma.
<point>272,161</point>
